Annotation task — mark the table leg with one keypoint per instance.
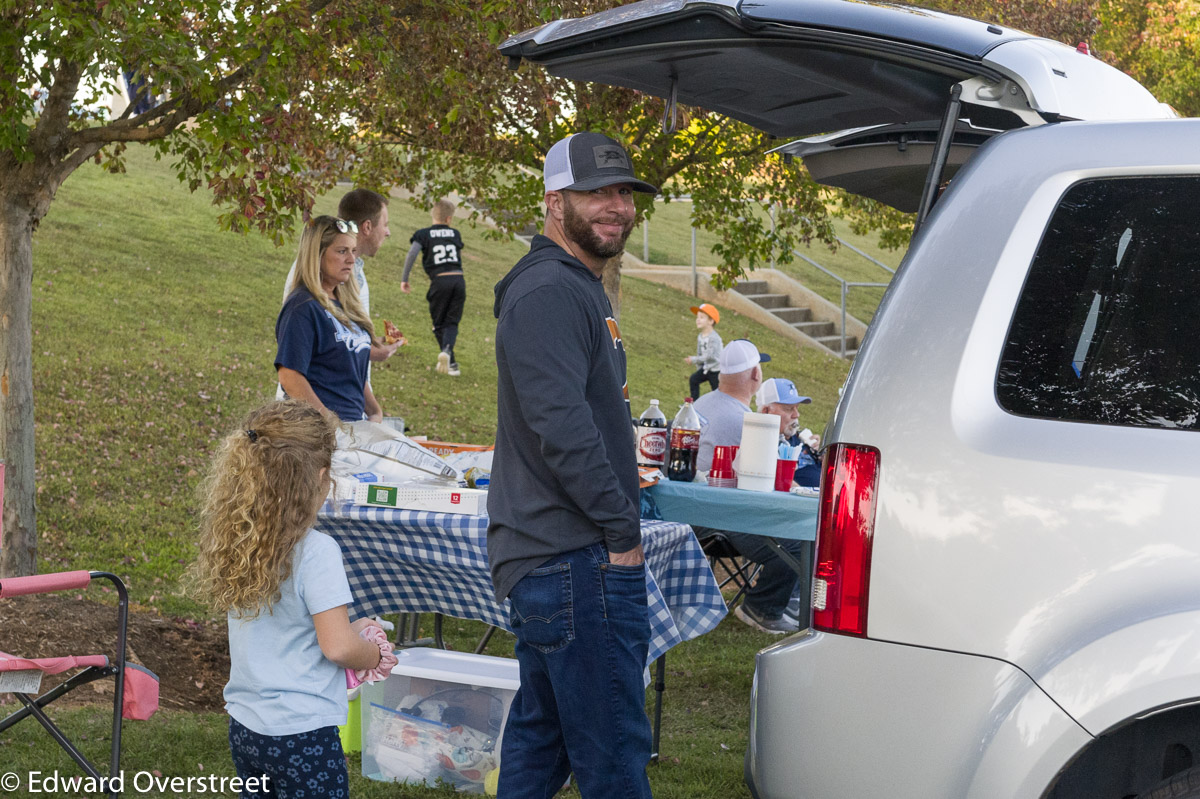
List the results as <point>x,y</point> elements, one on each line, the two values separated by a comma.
<point>803,569</point>
<point>483,642</point>
<point>408,627</point>
<point>437,631</point>
<point>660,685</point>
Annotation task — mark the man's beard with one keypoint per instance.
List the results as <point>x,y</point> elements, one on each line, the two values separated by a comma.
<point>580,233</point>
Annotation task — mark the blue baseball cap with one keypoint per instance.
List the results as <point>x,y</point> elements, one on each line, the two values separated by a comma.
<point>777,389</point>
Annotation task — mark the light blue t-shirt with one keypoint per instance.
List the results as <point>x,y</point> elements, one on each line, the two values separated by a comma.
<point>721,419</point>
<point>280,683</point>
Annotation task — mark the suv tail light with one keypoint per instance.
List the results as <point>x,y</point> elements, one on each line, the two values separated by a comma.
<point>845,530</point>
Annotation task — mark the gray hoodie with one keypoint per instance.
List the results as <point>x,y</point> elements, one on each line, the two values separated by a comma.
<point>564,473</point>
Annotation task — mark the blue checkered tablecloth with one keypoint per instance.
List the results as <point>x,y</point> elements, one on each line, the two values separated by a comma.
<point>424,562</point>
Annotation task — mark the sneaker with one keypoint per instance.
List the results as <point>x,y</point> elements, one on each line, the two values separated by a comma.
<point>780,626</point>
<point>791,613</point>
<point>443,363</point>
<point>454,370</point>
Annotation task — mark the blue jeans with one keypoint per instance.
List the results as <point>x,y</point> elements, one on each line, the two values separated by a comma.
<point>583,634</point>
<point>769,595</point>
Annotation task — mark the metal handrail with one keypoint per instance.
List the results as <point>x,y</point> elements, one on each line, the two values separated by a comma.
<point>845,285</point>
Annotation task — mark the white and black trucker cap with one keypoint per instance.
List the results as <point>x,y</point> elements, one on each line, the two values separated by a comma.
<point>586,161</point>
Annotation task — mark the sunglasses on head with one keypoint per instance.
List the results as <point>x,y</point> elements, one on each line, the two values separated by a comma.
<point>342,225</point>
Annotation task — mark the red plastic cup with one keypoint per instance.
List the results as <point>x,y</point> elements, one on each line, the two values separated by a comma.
<point>784,472</point>
<point>722,463</point>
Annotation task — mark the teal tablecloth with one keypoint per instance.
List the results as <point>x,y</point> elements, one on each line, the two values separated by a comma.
<point>772,513</point>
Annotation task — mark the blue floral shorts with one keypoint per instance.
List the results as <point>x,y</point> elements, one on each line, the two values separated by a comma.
<point>306,765</point>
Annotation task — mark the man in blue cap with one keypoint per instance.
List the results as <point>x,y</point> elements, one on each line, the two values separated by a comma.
<point>778,396</point>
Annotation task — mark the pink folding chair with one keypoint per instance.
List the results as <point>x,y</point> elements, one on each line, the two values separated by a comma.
<point>136,692</point>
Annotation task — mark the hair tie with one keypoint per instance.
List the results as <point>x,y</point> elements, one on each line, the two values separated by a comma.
<point>252,435</point>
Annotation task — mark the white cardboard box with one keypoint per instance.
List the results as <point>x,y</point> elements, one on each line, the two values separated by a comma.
<point>440,715</point>
<point>443,499</point>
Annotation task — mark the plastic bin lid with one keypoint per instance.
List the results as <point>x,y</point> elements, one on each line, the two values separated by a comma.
<point>463,667</point>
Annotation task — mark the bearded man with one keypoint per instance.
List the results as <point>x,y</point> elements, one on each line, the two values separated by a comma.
<point>564,541</point>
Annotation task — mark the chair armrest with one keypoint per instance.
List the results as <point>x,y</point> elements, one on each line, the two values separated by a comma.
<point>44,583</point>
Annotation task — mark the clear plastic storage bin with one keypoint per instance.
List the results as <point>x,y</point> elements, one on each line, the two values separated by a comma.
<point>440,715</point>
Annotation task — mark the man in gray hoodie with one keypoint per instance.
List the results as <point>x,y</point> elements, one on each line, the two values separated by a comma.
<point>564,542</point>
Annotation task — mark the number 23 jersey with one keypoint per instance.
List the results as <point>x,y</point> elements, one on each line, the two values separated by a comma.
<point>441,249</point>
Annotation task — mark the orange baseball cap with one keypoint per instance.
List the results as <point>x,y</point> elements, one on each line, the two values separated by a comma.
<point>711,310</point>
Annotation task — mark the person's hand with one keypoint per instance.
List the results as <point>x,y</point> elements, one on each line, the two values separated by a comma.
<point>688,360</point>
<point>358,625</point>
<point>405,287</point>
<point>376,417</point>
<point>381,352</point>
<point>634,557</point>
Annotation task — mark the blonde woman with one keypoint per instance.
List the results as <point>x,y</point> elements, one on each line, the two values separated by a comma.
<point>324,336</point>
<point>284,589</point>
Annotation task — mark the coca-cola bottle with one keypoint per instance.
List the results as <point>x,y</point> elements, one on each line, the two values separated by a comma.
<point>652,437</point>
<point>685,443</point>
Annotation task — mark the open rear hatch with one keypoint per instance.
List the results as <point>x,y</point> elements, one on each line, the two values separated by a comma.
<point>803,67</point>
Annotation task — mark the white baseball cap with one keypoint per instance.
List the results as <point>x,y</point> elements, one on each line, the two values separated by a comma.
<point>740,355</point>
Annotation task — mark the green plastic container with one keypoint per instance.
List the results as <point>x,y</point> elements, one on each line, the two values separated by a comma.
<point>351,731</point>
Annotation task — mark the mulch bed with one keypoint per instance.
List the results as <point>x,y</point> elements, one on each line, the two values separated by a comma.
<point>190,658</point>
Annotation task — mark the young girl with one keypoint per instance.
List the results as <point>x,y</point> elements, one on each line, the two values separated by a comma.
<point>707,359</point>
<point>285,591</point>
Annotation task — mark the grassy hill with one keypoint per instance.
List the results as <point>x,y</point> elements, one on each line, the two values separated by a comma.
<point>154,333</point>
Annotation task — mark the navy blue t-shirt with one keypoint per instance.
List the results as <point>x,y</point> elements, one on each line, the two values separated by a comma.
<point>332,357</point>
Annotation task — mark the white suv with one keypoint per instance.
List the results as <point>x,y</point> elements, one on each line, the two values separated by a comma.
<point>1007,588</point>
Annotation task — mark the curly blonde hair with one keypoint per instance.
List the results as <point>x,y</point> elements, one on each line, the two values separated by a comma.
<point>260,498</point>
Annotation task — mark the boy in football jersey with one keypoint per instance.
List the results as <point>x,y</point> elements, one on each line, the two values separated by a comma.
<point>440,247</point>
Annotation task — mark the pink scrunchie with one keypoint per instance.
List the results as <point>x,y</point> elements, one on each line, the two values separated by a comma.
<point>387,658</point>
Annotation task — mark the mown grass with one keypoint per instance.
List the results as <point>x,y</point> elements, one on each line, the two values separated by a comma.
<point>670,242</point>
<point>154,334</point>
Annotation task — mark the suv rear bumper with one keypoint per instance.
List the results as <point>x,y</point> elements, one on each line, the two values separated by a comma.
<point>834,716</point>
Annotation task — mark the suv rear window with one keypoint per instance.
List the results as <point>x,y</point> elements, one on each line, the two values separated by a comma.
<point>1107,328</point>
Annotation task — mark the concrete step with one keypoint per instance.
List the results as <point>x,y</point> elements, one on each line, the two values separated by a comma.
<point>771,301</point>
<point>835,343</point>
<point>817,329</point>
<point>751,287</point>
<point>793,315</point>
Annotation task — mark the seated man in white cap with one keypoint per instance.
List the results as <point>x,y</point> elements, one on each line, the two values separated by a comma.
<point>721,413</point>
<point>779,397</point>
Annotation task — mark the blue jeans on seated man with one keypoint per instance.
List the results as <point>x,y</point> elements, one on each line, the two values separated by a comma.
<point>777,580</point>
<point>583,634</point>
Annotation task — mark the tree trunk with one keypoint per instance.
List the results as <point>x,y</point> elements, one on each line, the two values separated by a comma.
<point>611,278</point>
<point>18,549</point>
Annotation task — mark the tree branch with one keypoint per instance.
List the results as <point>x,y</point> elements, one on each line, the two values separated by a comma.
<point>49,133</point>
<point>174,113</point>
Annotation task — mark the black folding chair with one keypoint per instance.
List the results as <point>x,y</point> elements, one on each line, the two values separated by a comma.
<point>738,570</point>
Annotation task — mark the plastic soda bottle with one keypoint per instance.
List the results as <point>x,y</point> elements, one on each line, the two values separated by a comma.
<point>685,443</point>
<point>652,437</point>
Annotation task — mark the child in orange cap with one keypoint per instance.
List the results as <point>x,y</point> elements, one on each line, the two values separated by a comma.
<point>707,359</point>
